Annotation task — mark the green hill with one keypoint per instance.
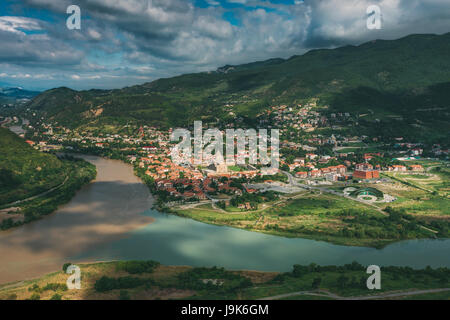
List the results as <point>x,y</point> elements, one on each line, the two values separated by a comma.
<point>35,182</point>
<point>25,171</point>
<point>395,77</point>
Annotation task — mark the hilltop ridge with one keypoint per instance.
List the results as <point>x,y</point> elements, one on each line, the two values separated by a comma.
<point>394,77</point>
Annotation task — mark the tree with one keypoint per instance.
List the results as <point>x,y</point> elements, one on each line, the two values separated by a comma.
<point>342,282</point>
<point>65,266</point>
<point>35,296</point>
<point>299,270</point>
<point>316,283</point>
<point>124,295</point>
<point>222,204</point>
<point>56,296</point>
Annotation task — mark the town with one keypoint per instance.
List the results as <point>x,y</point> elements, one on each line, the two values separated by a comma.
<point>308,157</point>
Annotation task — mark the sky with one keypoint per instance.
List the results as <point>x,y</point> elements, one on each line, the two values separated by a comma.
<point>127,42</point>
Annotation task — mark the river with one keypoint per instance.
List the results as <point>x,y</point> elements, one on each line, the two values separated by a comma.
<point>101,212</point>
<point>110,219</point>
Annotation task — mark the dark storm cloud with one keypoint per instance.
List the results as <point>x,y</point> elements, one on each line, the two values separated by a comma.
<point>160,38</point>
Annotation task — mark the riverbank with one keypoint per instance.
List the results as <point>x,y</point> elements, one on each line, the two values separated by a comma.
<point>366,243</point>
<point>244,222</point>
<point>160,282</point>
<point>78,173</point>
<point>317,216</point>
<point>33,183</point>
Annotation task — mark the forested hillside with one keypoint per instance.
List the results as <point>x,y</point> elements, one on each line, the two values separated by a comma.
<point>407,77</point>
<point>33,183</point>
<point>25,171</point>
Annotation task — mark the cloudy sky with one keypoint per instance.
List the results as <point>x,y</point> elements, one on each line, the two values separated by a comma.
<point>126,42</point>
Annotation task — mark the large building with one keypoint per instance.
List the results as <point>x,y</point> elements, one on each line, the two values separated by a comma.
<point>365,171</point>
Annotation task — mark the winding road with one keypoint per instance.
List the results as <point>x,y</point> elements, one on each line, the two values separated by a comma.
<point>327,294</point>
<point>9,205</point>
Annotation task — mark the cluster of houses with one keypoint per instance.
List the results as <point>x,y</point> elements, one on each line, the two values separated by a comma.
<point>402,168</point>
<point>301,117</point>
<point>192,182</point>
<point>44,146</point>
<point>189,181</point>
<point>438,151</point>
<point>332,173</point>
<point>197,188</point>
<point>161,167</point>
<point>364,171</point>
<point>368,171</point>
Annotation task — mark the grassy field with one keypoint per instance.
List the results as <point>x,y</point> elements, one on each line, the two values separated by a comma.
<point>176,282</point>
<point>316,216</point>
<point>421,210</point>
<point>422,195</point>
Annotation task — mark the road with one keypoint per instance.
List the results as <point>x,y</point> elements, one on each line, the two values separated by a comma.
<point>36,196</point>
<point>386,295</point>
<point>292,182</point>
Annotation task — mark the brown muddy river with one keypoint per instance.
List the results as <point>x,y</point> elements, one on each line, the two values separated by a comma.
<point>102,211</point>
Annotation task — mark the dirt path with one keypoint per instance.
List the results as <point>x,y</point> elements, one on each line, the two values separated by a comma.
<point>37,196</point>
<point>331,295</point>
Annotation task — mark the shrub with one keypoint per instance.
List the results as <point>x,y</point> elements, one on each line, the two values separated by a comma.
<point>35,296</point>
<point>55,287</point>
<point>138,267</point>
<point>106,284</point>
<point>316,283</point>
<point>65,266</point>
<point>12,297</point>
<point>124,295</point>
<point>226,281</point>
<point>35,288</point>
<point>56,296</point>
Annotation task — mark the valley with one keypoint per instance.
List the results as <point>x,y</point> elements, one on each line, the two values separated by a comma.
<point>87,177</point>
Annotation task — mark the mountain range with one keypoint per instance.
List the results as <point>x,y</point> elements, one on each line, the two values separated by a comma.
<point>408,78</point>
<point>13,94</point>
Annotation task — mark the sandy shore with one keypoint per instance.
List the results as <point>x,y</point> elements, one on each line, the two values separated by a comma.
<point>104,211</point>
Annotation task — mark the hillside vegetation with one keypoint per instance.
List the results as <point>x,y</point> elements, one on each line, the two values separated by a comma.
<point>32,183</point>
<point>409,77</point>
<point>109,281</point>
<point>25,171</point>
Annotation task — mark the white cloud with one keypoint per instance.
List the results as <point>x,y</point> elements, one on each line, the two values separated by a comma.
<point>125,40</point>
<point>94,34</point>
<point>14,24</point>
